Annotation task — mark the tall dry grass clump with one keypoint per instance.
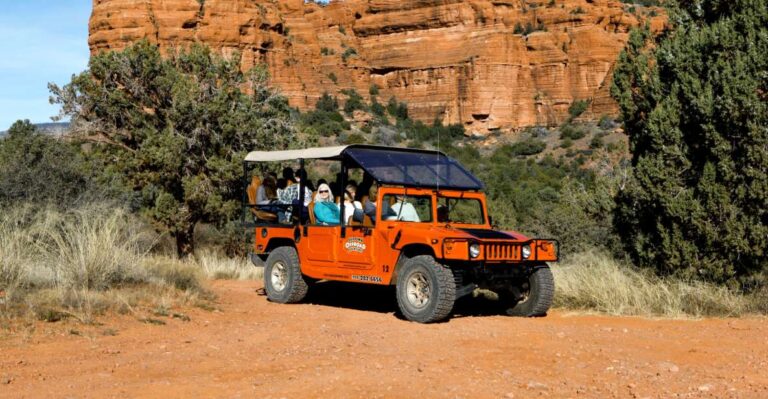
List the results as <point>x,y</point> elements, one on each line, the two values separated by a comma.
<point>81,262</point>
<point>593,281</point>
<point>216,266</point>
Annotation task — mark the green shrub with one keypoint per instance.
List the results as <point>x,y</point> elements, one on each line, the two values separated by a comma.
<point>327,103</point>
<point>327,51</point>
<point>378,109</point>
<point>374,90</point>
<point>354,101</point>
<point>355,138</point>
<point>524,148</point>
<point>333,78</point>
<point>349,52</point>
<point>606,123</point>
<point>324,123</point>
<point>159,123</point>
<point>572,132</point>
<point>398,110</point>
<point>577,108</point>
<point>695,110</point>
<point>597,142</point>
<point>38,168</point>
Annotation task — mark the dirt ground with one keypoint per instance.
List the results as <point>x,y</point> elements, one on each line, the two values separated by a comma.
<point>348,342</point>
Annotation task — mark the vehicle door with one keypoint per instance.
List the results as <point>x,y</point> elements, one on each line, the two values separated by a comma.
<point>356,249</point>
<point>321,244</point>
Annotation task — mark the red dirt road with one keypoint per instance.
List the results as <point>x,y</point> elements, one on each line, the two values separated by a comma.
<point>349,343</point>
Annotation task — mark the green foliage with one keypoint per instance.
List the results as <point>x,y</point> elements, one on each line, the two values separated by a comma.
<point>597,142</point>
<point>695,108</point>
<point>419,132</point>
<point>355,138</point>
<point>569,131</point>
<point>523,148</point>
<point>577,108</point>
<point>606,122</point>
<point>342,30</point>
<point>377,109</point>
<point>176,129</point>
<point>578,10</point>
<point>398,110</point>
<point>354,101</point>
<point>327,51</point>
<point>548,198</point>
<point>519,30</point>
<point>333,78</point>
<point>374,89</point>
<point>327,103</point>
<point>323,123</point>
<point>349,52</point>
<point>38,168</point>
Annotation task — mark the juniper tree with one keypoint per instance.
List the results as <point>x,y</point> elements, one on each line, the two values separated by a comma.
<point>176,128</point>
<point>694,101</point>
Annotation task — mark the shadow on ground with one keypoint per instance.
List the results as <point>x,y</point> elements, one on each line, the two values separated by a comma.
<point>382,299</point>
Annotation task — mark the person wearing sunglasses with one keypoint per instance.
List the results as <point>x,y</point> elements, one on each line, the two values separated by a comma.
<point>326,211</point>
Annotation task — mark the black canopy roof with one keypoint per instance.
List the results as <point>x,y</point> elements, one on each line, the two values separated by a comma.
<point>388,165</point>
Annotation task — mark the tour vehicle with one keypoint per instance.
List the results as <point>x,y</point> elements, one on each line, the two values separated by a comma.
<point>425,229</point>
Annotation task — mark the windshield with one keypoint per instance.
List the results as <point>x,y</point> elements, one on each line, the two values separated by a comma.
<point>407,209</point>
<point>460,211</point>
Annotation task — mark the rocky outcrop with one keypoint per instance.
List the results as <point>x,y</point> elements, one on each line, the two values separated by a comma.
<point>489,64</point>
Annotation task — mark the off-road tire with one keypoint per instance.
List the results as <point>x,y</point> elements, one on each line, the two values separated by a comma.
<point>440,285</point>
<point>283,281</point>
<point>540,294</point>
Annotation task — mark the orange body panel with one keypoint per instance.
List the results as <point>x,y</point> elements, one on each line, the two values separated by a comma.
<point>370,254</point>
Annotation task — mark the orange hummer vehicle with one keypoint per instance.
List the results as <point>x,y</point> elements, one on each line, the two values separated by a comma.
<point>425,229</point>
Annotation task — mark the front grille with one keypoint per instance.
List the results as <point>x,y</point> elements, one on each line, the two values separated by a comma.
<point>502,251</point>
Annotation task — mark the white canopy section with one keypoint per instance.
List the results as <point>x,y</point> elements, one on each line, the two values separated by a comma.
<point>290,155</point>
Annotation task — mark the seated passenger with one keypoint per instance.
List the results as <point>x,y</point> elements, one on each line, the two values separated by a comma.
<point>326,211</point>
<point>267,191</point>
<point>404,211</point>
<point>350,206</point>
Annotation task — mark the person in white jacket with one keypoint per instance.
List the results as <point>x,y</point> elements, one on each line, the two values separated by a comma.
<point>405,211</point>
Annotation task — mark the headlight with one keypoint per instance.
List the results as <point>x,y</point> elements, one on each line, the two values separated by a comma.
<point>526,251</point>
<point>474,250</point>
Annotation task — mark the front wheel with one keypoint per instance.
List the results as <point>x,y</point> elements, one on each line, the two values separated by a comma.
<point>283,281</point>
<point>426,290</point>
<point>534,296</point>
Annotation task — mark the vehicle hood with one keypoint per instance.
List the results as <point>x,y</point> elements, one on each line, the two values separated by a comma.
<point>479,234</point>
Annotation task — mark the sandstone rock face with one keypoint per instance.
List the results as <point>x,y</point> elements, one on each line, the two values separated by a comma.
<point>468,62</point>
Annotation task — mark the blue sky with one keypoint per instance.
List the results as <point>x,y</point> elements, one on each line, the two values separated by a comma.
<point>41,41</point>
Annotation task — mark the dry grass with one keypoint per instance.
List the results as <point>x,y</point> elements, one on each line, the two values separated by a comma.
<point>219,267</point>
<point>82,263</point>
<point>595,282</point>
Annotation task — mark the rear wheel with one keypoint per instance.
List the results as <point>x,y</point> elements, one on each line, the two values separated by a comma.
<point>283,281</point>
<point>426,290</point>
<point>534,296</point>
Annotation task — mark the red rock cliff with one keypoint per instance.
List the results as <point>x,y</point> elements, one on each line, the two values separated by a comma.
<point>461,61</point>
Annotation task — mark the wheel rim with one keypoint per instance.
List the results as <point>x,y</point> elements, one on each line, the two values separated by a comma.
<point>279,276</point>
<point>418,290</point>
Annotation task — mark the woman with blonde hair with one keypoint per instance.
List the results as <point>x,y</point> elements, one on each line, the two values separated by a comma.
<point>326,211</point>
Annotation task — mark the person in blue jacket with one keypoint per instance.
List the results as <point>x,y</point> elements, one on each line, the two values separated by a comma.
<point>326,211</point>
